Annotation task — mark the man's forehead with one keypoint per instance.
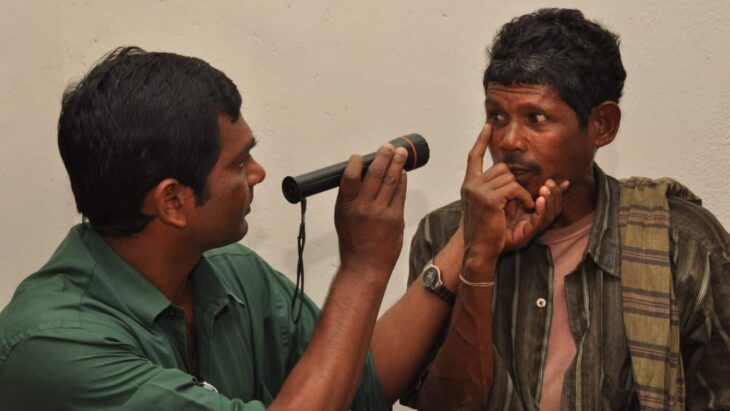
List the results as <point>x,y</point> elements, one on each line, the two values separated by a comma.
<point>544,92</point>
<point>235,135</point>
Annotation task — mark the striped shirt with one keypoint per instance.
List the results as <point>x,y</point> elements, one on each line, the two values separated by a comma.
<point>600,375</point>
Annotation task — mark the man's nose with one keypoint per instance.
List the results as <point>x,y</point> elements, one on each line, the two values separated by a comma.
<point>256,174</point>
<point>512,138</point>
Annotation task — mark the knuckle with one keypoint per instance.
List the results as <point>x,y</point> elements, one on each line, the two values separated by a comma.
<point>386,149</point>
<point>390,181</point>
<point>467,192</point>
<point>360,210</point>
<point>349,175</point>
<point>376,172</point>
<point>400,156</point>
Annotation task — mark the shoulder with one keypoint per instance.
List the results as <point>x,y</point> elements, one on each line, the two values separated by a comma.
<point>246,274</point>
<point>433,232</point>
<point>59,316</point>
<point>440,224</point>
<point>447,213</point>
<point>697,224</point>
<point>238,260</point>
<point>51,303</point>
<point>267,293</point>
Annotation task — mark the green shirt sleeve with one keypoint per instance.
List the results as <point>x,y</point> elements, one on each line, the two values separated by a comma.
<point>77,370</point>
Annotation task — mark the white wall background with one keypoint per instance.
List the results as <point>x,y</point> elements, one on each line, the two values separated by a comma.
<point>322,79</point>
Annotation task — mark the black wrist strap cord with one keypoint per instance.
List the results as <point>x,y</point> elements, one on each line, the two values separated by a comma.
<point>299,290</point>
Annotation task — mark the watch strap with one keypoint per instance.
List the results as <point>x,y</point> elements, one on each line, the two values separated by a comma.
<point>439,289</point>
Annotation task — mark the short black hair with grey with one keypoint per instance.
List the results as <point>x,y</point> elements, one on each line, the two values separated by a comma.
<point>562,49</point>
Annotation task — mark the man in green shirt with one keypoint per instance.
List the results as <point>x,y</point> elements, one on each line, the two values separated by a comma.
<point>151,304</point>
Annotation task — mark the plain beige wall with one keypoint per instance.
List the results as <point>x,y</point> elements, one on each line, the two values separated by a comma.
<point>322,79</point>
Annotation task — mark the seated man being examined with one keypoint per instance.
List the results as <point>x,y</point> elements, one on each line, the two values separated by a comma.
<point>151,304</point>
<point>574,290</point>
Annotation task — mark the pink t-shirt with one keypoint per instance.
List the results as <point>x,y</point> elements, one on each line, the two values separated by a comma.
<point>567,246</point>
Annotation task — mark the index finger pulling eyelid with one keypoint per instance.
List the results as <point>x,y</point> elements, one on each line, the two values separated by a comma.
<point>485,136</point>
<point>475,161</point>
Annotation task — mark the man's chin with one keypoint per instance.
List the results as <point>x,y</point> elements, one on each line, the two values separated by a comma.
<point>234,238</point>
<point>243,231</point>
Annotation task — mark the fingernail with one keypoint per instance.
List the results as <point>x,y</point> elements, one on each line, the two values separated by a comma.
<point>401,153</point>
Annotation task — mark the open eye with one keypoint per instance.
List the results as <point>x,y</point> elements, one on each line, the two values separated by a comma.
<point>537,118</point>
<point>495,117</point>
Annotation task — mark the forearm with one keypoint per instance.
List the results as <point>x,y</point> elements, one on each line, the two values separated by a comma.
<point>326,376</point>
<point>405,334</point>
<point>462,373</point>
<point>403,337</point>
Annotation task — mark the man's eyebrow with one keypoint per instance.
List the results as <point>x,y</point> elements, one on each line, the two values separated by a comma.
<point>247,149</point>
<point>489,102</point>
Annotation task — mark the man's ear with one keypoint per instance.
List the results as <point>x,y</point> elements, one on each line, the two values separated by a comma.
<point>169,202</point>
<point>604,123</point>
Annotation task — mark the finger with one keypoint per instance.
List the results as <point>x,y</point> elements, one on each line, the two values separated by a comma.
<point>500,180</point>
<point>547,206</point>
<point>350,181</point>
<point>554,197</point>
<point>496,177</point>
<point>540,207</point>
<point>549,192</point>
<point>399,199</point>
<point>538,218</point>
<point>475,161</point>
<point>376,172</point>
<point>392,176</point>
<point>510,210</point>
<point>497,170</point>
<point>514,191</point>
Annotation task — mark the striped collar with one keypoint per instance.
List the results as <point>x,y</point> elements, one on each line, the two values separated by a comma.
<point>604,243</point>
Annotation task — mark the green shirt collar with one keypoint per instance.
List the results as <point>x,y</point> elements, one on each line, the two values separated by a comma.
<point>118,284</point>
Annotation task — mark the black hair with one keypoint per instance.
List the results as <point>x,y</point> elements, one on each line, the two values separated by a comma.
<point>559,48</point>
<point>135,119</point>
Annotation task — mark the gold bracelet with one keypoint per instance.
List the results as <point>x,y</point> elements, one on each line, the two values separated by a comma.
<point>480,284</point>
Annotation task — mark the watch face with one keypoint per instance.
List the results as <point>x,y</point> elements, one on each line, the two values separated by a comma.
<point>429,277</point>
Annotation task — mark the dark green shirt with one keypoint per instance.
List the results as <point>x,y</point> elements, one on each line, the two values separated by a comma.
<point>600,376</point>
<point>88,332</point>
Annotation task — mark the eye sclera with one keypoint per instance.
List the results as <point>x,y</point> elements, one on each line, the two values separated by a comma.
<point>495,116</point>
<point>537,118</point>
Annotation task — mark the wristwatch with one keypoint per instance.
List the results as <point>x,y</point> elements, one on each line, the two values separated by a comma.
<point>432,282</point>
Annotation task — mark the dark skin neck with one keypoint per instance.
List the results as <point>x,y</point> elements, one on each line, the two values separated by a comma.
<point>168,268</point>
<point>579,200</point>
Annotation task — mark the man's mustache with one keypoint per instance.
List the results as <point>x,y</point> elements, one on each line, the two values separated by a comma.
<point>516,160</point>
